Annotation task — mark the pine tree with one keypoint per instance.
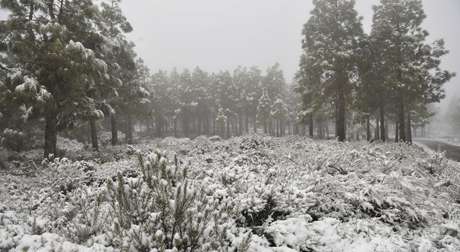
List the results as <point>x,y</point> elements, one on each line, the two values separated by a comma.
<point>331,38</point>
<point>411,67</point>
<point>54,43</point>
<point>114,26</point>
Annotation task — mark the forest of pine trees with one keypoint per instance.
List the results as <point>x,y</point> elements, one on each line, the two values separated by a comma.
<point>67,67</point>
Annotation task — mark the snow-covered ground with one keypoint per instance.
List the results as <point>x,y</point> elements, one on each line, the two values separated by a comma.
<point>252,193</point>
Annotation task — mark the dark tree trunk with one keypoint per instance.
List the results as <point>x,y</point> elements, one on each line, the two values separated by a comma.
<point>129,129</point>
<point>50,133</point>
<point>340,107</point>
<point>114,127</point>
<point>382,123</point>
<point>377,129</point>
<point>396,132</point>
<point>368,128</point>
<point>93,132</point>
<point>401,120</point>
<point>311,126</point>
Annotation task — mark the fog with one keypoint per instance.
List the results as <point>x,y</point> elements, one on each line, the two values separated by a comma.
<point>219,35</point>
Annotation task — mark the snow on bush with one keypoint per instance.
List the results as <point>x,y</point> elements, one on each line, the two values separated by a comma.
<point>251,193</point>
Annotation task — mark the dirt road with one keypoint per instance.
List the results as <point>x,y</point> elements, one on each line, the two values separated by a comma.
<point>452,151</point>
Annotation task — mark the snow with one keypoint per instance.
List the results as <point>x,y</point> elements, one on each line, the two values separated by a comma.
<point>291,194</point>
<point>29,85</point>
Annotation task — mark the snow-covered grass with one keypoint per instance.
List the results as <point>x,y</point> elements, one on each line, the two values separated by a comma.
<point>252,193</point>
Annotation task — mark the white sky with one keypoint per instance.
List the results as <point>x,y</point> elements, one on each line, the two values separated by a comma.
<point>219,35</point>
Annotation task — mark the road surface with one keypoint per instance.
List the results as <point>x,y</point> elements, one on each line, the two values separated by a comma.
<point>452,151</point>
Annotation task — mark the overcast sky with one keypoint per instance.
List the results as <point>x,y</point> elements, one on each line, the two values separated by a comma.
<point>220,35</point>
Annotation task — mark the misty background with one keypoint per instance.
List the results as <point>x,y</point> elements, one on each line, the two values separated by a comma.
<point>218,35</point>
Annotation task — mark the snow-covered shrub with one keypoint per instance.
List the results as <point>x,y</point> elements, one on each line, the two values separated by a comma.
<point>291,193</point>
<point>435,165</point>
<point>12,139</point>
<point>163,209</point>
<point>67,175</point>
<point>82,217</point>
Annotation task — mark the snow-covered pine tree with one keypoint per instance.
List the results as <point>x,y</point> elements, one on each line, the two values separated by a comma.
<point>52,43</point>
<point>114,26</point>
<point>331,38</point>
<point>309,87</point>
<point>411,67</point>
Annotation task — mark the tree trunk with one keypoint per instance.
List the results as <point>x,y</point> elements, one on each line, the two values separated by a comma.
<point>93,132</point>
<point>206,125</point>
<point>386,130</point>
<point>382,123</point>
<point>175,127</point>
<point>185,125</point>
<point>368,128</point>
<point>340,107</point>
<point>129,129</point>
<point>50,133</point>
<point>311,126</point>
<point>255,124</point>
<point>228,128</point>
<point>114,127</point>
<point>159,126</point>
<point>377,129</point>
<point>401,120</point>
<point>396,132</point>
<point>246,124</point>
<point>409,128</point>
